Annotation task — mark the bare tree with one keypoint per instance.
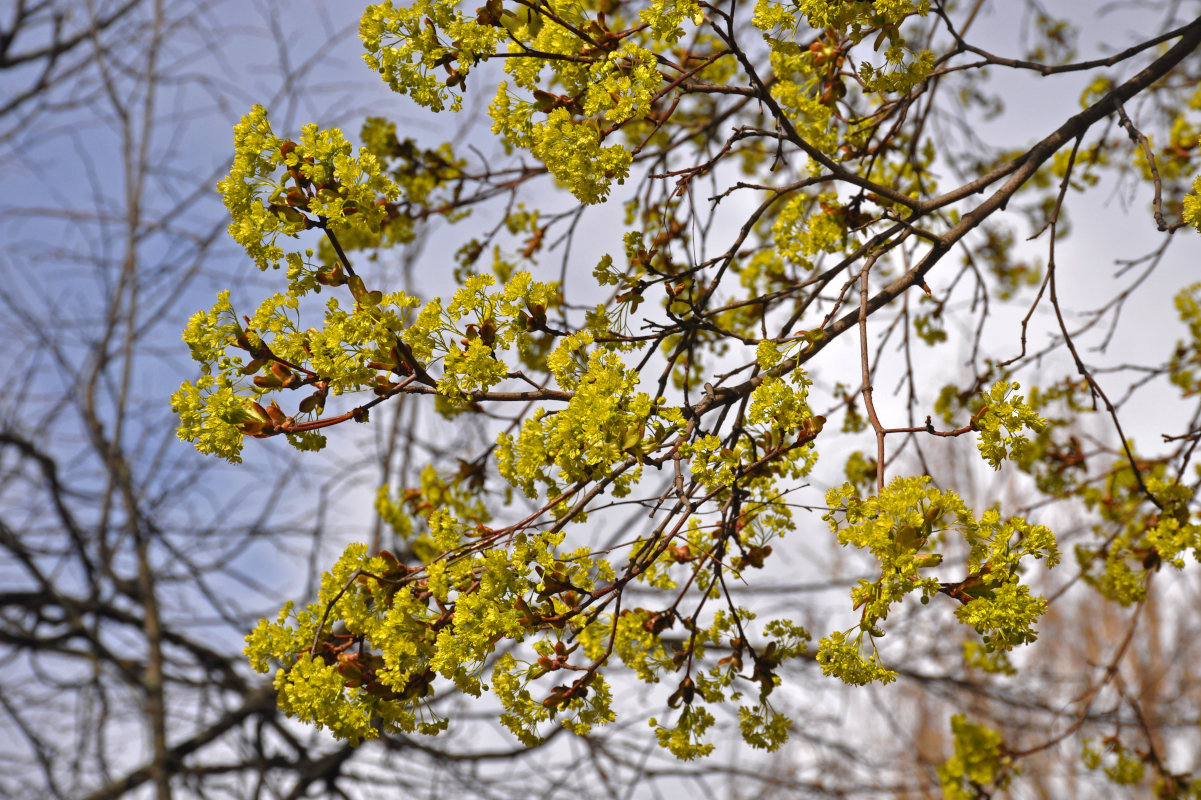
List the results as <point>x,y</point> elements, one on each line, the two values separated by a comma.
<point>127,575</point>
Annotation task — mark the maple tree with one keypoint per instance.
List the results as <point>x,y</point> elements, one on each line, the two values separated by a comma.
<point>685,409</point>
